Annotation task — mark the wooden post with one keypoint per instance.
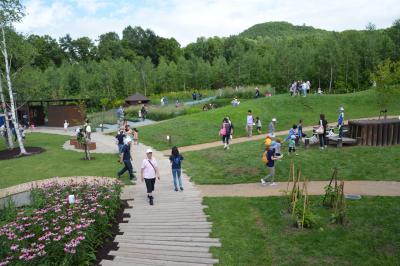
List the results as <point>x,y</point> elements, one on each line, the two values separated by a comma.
<point>380,131</point>
<point>374,135</point>
<point>339,143</point>
<point>390,137</point>
<point>369,137</point>
<point>385,135</point>
<point>306,143</point>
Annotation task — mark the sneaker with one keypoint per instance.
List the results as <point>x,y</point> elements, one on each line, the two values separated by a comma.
<point>151,200</point>
<point>176,189</point>
<point>181,188</point>
<point>263,182</point>
<point>118,175</point>
<point>273,184</point>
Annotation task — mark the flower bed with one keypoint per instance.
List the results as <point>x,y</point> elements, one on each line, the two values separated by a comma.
<point>52,231</point>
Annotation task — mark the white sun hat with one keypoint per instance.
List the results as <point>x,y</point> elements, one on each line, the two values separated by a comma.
<point>149,151</point>
<point>273,119</point>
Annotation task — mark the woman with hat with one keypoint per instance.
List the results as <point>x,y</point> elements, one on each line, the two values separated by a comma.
<point>149,173</point>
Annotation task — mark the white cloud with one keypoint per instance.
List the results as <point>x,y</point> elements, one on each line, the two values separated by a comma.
<point>187,20</point>
<point>92,5</point>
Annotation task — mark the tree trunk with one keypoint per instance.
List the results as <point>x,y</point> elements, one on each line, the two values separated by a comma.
<point>3,102</point>
<point>10,92</point>
<point>330,81</point>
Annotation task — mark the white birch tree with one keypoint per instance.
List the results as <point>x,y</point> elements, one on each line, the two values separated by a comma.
<point>4,105</point>
<point>10,11</point>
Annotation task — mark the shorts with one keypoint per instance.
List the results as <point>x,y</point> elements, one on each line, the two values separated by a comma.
<point>150,184</point>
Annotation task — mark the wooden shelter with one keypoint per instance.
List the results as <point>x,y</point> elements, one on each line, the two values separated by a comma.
<point>376,132</point>
<point>136,99</point>
<point>72,110</point>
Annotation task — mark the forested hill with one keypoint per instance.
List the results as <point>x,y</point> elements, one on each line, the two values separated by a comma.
<point>280,30</point>
<point>139,60</point>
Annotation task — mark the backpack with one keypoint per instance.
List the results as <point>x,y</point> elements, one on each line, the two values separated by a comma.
<point>222,132</point>
<point>265,158</point>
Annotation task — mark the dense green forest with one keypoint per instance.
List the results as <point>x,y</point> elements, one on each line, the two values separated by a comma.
<point>140,61</point>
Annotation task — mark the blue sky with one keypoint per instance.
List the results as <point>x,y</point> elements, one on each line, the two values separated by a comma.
<point>187,20</point>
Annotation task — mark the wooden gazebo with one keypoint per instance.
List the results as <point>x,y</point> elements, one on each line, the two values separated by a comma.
<point>136,99</point>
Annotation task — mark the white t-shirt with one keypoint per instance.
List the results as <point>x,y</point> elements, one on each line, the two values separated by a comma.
<point>148,170</point>
<point>66,125</point>
<point>88,129</point>
<point>250,120</point>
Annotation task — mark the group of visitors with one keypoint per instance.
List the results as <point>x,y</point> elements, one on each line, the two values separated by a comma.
<point>300,87</point>
<point>197,96</point>
<point>272,150</point>
<point>251,122</point>
<point>128,137</point>
<point>235,102</point>
<point>22,126</point>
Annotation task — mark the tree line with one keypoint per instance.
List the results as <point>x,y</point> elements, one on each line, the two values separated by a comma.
<point>140,61</point>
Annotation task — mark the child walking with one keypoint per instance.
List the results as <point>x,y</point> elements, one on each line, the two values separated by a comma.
<point>292,144</point>
<point>66,124</point>
<point>258,125</point>
<point>149,173</point>
<point>176,160</point>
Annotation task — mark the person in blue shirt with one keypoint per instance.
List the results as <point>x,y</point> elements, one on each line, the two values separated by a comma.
<point>120,139</point>
<point>340,123</point>
<point>126,158</point>
<point>176,160</point>
<point>292,132</point>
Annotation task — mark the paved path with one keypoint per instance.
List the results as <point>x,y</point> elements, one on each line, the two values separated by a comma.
<point>174,231</point>
<point>366,188</point>
<point>203,146</point>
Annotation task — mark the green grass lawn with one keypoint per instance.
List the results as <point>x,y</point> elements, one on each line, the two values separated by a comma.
<point>257,231</point>
<point>204,127</point>
<point>55,161</point>
<point>242,163</point>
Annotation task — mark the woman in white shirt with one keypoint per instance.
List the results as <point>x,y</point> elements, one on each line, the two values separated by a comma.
<point>149,173</point>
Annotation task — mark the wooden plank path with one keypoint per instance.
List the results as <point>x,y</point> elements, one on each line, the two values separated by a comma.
<point>174,231</point>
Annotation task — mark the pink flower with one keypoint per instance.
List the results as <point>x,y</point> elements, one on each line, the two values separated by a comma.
<point>14,247</point>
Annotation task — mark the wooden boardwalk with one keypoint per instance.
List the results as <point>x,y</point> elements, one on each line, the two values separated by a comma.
<point>174,231</point>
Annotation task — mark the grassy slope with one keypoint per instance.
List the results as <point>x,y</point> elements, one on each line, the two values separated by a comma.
<point>253,231</point>
<point>203,127</point>
<point>242,163</point>
<point>54,162</point>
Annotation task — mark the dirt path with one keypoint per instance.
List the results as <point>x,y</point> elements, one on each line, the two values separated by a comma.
<point>370,188</point>
<point>203,146</point>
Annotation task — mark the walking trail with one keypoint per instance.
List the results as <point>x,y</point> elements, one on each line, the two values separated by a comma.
<point>365,188</point>
<point>174,231</point>
<point>203,146</point>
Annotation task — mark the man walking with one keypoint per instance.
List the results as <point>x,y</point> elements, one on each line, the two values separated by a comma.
<point>125,158</point>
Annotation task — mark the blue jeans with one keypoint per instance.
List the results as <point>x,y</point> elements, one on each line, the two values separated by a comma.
<point>120,146</point>
<point>176,174</point>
